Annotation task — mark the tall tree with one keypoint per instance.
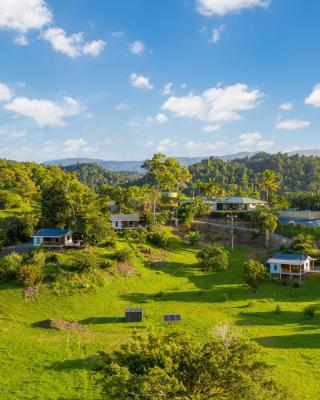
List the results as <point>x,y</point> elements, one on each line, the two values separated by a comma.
<point>269,181</point>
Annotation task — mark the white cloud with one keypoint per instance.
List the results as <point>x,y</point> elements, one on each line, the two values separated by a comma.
<point>118,34</point>
<point>215,104</point>
<point>165,145</point>
<point>21,40</point>
<point>121,106</point>
<point>140,82</point>
<point>167,89</point>
<point>5,92</point>
<point>292,124</point>
<point>216,33</point>
<point>74,145</point>
<point>253,141</point>
<point>23,15</point>
<point>94,48</point>
<point>286,106</point>
<point>72,45</point>
<point>314,97</point>
<point>137,47</point>
<point>161,118</point>
<point>183,85</point>
<point>204,148</point>
<point>45,112</point>
<point>211,128</point>
<point>6,134</point>
<point>223,7</point>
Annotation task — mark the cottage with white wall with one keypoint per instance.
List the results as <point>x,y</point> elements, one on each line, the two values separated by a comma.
<point>125,221</point>
<point>52,237</point>
<point>290,266</point>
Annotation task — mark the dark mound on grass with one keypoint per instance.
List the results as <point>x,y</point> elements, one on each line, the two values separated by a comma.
<point>59,324</point>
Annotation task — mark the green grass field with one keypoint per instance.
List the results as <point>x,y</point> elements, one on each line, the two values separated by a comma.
<point>49,364</point>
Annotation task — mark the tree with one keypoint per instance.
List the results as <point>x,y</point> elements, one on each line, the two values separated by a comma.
<point>303,243</point>
<point>176,366</point>
<point>166,173</point>
<point>214,257</point>
<point>255,273</point>
<point>194,237</point>
<point>10,266</point>
<point>269,181</point>
<point>266,221</point>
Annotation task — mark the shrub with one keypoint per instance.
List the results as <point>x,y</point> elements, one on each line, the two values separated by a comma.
<point>225,297</point>
<point>111,241</point>
<point>123,255</point>
<point>194,237</point>
<point>30,274</point>
<point>278,309</point>
<point>297,285</point>
<point>214,257</point>
<point>106,264</point>
<point>254,273</point>
<point>159,239</point>
<point>86,262</point>
<point>10,266</point>
<point>309,312</point>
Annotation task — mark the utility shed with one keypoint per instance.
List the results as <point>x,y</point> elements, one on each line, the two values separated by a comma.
<point>134,315</point>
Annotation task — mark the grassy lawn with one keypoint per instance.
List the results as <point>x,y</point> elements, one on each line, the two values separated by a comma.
<point>49,364</point>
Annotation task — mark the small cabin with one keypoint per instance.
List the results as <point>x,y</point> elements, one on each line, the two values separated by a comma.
<point>52,237</point>
<point>125,221</point>
<point>290,266</point>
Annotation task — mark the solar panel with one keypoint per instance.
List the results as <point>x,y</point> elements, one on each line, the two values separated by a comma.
<point>172,317</point>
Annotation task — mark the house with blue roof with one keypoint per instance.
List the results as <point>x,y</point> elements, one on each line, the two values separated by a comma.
<point>290,266</point>
<point>52,237</point>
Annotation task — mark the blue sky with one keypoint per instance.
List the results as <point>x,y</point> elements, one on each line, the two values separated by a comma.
<point>123,79</point>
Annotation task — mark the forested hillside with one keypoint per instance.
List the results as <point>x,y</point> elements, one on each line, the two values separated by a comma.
<point>94,176</point>
<point>295,173</point>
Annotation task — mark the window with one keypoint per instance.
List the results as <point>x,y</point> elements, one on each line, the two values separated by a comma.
<point>275,267</point>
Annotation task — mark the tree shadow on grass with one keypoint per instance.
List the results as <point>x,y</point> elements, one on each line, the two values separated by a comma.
<point>89,363</point>
<point>299,341</point>
<point>271,318</point>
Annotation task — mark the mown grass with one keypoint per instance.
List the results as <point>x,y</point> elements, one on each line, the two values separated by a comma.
<point>46,364</point>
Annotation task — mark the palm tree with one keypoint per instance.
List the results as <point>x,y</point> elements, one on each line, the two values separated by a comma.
<point>269,181</point>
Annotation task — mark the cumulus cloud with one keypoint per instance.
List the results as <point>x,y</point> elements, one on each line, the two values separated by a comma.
<point>215,104</point>
<point>286,106</point>
<point>24,15</point>
<point>165,145</point>
<point>140,82</point>
<point>121,106</point>
<point>74,145</point>
<point>253,141</point>
<point>292,124</point>
<point>45,112</point>
<point>21,40</point>
<point>137,47</point>
<point>161,118</point>
<point>223,7</point>
<point>211,128</point>
<point>72,45</point>
<point>216,33</point>
<point>5,92</point>
<point>314,98</point>
<point>7,134</point>
<point>94,48</point>
<point>167,89</point>
<point>204,148</point>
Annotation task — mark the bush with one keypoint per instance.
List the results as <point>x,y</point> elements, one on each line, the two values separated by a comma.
<point>30,274</point>
<point>106,264</point>
<point>123,255</point>
<point>214,257</point>
<point>10,266</point>
<point>309,312</point>
<point>278,309</point>
<point>297,285</point>
<point>254,273</point>
<point>86,262</point>
<point>159,239</point>
<point>194,237</point>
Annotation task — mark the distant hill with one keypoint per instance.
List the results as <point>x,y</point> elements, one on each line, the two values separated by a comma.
<point>135,166</point>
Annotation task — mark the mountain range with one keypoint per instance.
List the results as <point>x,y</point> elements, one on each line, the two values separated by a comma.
<point>135,166</point>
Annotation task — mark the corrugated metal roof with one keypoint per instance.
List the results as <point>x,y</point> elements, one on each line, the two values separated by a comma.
<point>291,257</point>
<point>125,217</point>
<point>52,232</point>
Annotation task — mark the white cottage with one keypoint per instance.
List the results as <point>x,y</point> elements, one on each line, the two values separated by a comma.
<point>125,221</point>
<point>52,237</point>
<point>290,266</point>
<point>237,204</point>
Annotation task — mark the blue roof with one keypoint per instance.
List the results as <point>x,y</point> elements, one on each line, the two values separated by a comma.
<point>289,256</point>
<point>52,232</point>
